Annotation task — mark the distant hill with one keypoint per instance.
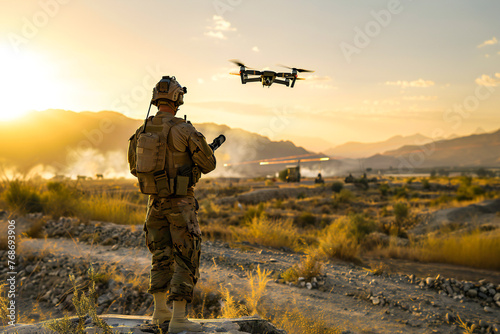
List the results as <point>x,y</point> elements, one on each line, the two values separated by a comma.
<point>362,150</point>
<point>469,151</point>
<point>62,141</point>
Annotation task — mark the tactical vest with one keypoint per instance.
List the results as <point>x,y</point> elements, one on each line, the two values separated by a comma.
<point>161,169</point>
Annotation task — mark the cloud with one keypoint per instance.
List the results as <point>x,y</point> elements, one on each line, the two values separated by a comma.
<point>421,83</point>
<point>486,80</point>
<point>488,42</point>
<point>214,34</point>
<point>255,49</point>
<point>218,28</point>
<point>420,98</point>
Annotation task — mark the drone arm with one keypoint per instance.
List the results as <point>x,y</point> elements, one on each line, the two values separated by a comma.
<point>283,82</point>
<point>253,80</point>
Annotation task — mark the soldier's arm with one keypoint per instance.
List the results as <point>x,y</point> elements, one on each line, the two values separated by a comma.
<point>201,153</point>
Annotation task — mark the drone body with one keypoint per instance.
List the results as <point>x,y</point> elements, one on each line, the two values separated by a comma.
<point>266,77</point>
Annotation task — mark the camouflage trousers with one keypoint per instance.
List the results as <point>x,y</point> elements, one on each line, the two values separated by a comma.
<point>173,237</point>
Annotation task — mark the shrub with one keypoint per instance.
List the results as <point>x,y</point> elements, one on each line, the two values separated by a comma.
<point>308,267</point>
<point>23,197</point>
<point>469,192</point>
<point>254,211</point>
<point>344,196</point>
<point>384,189</point>
<point>443,199</point>
<point>273,233</point>
<point>305,219</point>
<point>337,186</point>
<point>401,211</point>
<point>400,192</point>
<point>426,184</point>
<point>342,238</point>
<point>60,200</point>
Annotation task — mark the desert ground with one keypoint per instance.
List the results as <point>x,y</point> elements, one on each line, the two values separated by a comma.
<point>397,255</point>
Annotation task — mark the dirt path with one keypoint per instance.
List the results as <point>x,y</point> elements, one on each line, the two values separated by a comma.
<point>343,303</point>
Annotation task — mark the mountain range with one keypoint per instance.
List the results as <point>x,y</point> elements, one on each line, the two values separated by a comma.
<point>85,143</point>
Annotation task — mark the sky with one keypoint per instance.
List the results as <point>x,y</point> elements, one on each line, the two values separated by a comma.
<point>382,67</point>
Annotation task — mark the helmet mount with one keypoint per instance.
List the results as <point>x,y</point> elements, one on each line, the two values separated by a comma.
<point>168,89</point>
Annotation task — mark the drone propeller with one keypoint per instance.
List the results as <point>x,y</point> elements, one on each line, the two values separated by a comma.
<point>234,73</point>
<point>237,62</point>
<point>296,69</point>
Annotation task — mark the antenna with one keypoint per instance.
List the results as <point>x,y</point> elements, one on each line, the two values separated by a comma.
<point>146,120</point>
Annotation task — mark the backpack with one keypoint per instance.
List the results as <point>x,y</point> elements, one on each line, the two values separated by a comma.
<point>150,156</point>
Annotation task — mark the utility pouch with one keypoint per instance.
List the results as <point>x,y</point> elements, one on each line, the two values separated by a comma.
<point>195,174</point>
<point>181,186</point>
<point>162,184</point>
<point>147,183</point>
<point>148,155</point>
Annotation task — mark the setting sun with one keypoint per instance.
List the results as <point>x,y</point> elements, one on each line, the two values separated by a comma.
<point>28,83</point>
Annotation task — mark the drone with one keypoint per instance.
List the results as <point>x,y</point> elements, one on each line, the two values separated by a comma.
<point>269,77</point>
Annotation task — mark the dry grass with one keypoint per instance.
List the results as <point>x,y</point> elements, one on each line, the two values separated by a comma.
<point>343,237</point>
<point>309,267</point>
<point>231,308</point>
<point>4,304</point>
<point>111,208</point>
<point>257,287</point>
<point>271,233</point>
<point>474,249</point>
<point>295,321</point>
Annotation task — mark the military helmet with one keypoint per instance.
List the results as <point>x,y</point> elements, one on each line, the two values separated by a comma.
<point>168,89</point>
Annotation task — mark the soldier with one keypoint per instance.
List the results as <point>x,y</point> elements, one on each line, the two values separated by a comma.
<point>167,155</point>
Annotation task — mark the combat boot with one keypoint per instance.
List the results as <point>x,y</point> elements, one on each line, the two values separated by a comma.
<point>161,312</point>
<point>179,322</point>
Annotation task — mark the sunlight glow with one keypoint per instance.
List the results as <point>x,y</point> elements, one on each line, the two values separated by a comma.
<point>27,83</point>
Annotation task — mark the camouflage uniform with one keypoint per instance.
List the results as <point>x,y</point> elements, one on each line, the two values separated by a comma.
<point>173,234</point>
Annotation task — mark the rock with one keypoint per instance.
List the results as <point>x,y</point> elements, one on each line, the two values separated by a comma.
<point>309,286</point>
<point>429,281</point>
<point>301,279</point>
<point>496,297</point>
<point>375,300</point>
<point>488,309</point>
<point>482,295</point>
<point>472,293</point>
<point>303,284</point>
